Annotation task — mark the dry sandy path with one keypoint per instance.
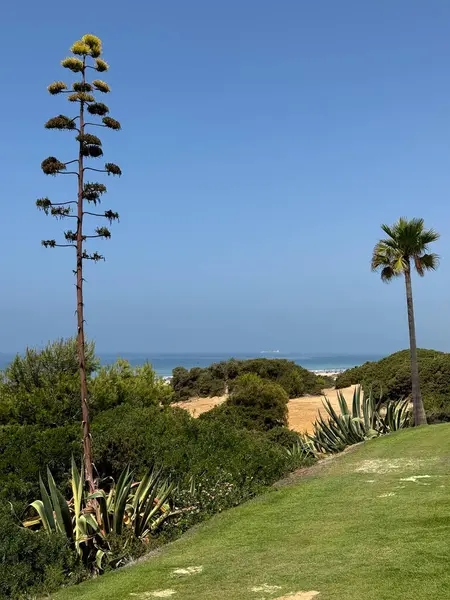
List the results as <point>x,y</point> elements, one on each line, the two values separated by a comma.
<point>302,411</point>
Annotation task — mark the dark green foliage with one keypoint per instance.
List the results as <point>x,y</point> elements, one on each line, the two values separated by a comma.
<point>113,169</point>
<point>111,215</point>
<point>103,232</point>
<point>98,108</point>
<point>111,123</point>
<point>283,436</point>
<point>71,236</point>
<point>122,384</point>
<point>44,204</point>
<point>186,447</point>
<point>26,451</point>
<point>392,377</point>
<point>93,191</point>
<point>51,166</point>
<point>217,378</point>
<point>60,122</point>
<point>33,563</point>
<point>258,403</point>
<point>42,387</point>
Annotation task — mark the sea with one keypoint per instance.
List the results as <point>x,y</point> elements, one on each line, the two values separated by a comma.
<point>163,364</point>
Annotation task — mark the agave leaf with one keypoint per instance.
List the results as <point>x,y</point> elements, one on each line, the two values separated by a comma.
<point>48,508</point>
<point>39,507</point>
<point>122,492</point>
<point>63,520</point>
<point>102,500</point>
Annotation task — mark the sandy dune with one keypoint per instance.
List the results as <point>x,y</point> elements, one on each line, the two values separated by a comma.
<point>302,411</point>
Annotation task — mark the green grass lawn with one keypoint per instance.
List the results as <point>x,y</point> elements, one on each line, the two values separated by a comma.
<point>363,527</point>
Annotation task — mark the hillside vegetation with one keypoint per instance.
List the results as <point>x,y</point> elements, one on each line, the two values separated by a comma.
<point>218,378</point>
<point>392,377</point>
<point>214,464</point>
<point>372,524</point>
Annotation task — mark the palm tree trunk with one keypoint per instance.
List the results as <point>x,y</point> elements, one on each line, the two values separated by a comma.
<point>419,411</point>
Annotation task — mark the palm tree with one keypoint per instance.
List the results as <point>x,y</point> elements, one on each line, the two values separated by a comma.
<point>406,244</point>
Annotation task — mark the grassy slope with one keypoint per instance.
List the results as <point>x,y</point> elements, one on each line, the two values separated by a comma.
<point>331,532</point>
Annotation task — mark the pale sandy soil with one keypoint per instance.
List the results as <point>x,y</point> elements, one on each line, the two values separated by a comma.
<point>302,411</point>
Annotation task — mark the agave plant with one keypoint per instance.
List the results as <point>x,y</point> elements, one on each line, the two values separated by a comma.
<point>87,520</point>
<point>367,418</point>
<point>142,506</point>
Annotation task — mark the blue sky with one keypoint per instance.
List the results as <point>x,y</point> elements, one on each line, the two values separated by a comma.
<point>263,144</point>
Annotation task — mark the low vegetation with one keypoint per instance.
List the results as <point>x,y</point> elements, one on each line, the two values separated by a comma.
<point>366,513</point>
<point>391,376</point>
<point>211,464</point>
<point>254,403</point>
<point>218,378</point>
<point>365,419</point>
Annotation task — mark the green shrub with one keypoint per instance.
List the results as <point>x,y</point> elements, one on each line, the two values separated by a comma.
<point>391,376</point>
<point>121,383</point>
<point>43,387</point>
<point>283,436</point>
<point>33,563</point>
<point>259,404</point>
<point>216,379</point>
<point>210,452</point>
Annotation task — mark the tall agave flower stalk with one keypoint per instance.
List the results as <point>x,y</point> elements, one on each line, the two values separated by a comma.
<point>87,60</point>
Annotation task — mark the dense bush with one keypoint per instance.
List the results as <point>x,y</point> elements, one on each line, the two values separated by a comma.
<point>32,563</point>
<point>215,462</point>
<point>122,384</point>
<point>43,387</point>
<point>26,450</point>
<point>392,377</point>
<point>219,378</point>
<point>254,403</point>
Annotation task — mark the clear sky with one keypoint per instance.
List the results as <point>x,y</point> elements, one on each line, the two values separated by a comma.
<point>263,143</point>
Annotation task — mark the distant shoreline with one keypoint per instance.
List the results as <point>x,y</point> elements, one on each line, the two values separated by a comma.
<point>163,364</point>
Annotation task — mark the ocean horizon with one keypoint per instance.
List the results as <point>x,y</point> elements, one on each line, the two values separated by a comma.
<point>164,363</point>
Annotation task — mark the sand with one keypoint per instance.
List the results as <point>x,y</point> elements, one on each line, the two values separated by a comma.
<point>302,411</point>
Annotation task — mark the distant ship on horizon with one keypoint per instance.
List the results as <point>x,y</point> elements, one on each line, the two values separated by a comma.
<point>270,352</point>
